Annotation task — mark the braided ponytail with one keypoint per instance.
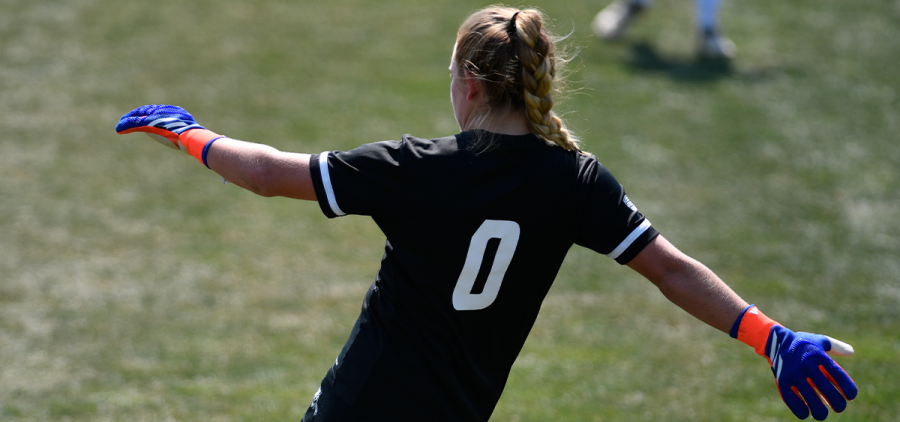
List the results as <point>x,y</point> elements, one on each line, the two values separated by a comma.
<point>536,53</point>
<point>515,58</point>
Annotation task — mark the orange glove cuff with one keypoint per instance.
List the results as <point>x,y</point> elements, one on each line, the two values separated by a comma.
<point>194,142</point>
<point>754,329</point>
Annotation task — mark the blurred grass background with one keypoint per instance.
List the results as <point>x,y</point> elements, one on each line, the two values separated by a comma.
<point>134,286</point>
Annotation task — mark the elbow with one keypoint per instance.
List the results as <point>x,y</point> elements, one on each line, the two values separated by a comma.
<point>260,179</point>
<point>260,184</point>
<point>667,286</point>
<point>675,276</point>
<point>264,193</point>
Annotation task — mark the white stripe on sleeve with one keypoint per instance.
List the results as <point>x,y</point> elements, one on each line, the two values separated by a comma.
<point>326,183</point>
<point>630,239</point>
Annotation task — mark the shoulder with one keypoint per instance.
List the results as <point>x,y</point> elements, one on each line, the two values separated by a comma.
<point>446,145</point>
<point>589,167</point>
<point>409,156</point>
<point>408,144</point>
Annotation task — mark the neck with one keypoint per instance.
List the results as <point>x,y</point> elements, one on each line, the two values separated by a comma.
<point>506,122</point>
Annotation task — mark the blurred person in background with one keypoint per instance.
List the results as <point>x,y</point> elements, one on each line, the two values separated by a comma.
<point>614,20</point>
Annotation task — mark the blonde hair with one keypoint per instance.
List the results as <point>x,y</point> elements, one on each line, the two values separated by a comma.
<point>515,58</point>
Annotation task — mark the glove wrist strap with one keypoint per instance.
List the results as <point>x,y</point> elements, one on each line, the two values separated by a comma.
<point>196,143</point>
<point>752,328</point>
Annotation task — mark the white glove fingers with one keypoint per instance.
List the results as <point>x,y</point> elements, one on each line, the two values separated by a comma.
<point>839,348</point>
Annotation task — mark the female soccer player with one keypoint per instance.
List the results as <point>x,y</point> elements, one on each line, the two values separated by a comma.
<point>477,226</point>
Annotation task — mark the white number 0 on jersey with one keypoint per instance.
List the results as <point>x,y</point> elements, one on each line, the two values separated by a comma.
<point>508,233</point>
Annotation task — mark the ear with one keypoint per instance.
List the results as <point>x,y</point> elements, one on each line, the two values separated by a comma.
<point>474,85</point>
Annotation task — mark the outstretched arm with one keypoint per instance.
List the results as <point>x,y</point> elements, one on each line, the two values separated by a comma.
<point>262,169</point>
<point>804,373</point>
<point>258,168</point>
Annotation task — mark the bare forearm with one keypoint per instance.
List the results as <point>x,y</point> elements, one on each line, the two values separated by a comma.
<point>689,284</point>
<point>262,169</point>
<point>702,294</point>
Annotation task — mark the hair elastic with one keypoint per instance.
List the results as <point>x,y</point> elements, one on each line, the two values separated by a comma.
<point>511,29</point>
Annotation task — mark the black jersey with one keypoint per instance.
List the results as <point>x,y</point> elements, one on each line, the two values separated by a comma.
<point>474,242</point>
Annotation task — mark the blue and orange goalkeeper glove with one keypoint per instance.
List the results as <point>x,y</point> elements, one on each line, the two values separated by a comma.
<point>172,126</point>
<point>804,373</point>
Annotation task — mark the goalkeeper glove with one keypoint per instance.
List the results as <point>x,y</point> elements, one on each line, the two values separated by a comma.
<point>804,374</point>
<point>172,126</point>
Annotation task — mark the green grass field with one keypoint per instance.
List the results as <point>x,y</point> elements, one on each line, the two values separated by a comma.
<point>134,286</point>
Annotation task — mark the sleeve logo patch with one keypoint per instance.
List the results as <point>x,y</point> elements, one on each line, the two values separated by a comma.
<point>629,204</point>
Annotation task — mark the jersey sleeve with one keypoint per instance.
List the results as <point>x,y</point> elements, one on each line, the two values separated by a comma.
<point>363,181</point>
<point>611,224</point>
